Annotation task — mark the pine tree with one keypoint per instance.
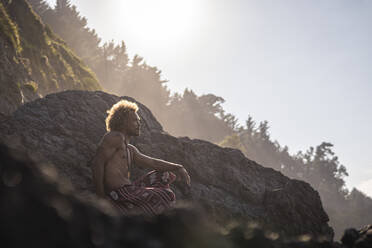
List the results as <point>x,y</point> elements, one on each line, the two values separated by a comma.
<point>65,20</point>
<point>250,126</point>
<point>62,5</point>
<point>39,6</point>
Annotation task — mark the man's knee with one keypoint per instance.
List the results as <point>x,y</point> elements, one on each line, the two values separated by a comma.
<point>168,177</point>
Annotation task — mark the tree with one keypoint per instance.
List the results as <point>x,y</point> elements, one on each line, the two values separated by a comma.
<point>39,6</point>
<point>145,83</point>
<point>65,20</point>
<point>197,116</point>
<point>111,65</point>
<point>323,170</point>
<point>250,126</point>
<point>263,131</point>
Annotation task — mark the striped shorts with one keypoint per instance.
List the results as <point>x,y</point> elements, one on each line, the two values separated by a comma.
<point>149,195</point>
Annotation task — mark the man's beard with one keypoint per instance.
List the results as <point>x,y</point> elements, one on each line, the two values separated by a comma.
<point>135,133</point>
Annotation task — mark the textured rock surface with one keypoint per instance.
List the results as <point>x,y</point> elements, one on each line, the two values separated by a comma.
<point>65,128</point>
<point>37,213</point>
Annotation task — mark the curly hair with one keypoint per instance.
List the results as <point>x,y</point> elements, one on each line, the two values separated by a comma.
<point>118,114</point>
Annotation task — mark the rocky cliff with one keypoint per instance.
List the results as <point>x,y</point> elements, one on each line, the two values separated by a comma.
<point>33,60</point>
<point>65,128</point>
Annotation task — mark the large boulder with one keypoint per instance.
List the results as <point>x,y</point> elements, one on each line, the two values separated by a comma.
<point>35,212</point>
<point>64,129</point>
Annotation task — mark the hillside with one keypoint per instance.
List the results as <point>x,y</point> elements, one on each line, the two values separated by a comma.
<point>33,60</point>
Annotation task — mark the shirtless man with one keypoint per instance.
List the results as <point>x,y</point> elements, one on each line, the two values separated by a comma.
<point>111,165</point>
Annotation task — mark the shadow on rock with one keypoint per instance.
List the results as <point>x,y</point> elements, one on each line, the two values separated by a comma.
<point>39,210</point>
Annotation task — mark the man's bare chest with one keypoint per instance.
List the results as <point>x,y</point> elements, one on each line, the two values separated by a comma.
<point>124,155</point>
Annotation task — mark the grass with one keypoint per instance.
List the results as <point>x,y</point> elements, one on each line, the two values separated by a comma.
<point>9,29</point>
<point>32,86</point>
<point>53,66</point>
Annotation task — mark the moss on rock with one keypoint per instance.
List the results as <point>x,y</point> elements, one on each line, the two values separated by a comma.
<point>50,59</point>
<point>9,30</point>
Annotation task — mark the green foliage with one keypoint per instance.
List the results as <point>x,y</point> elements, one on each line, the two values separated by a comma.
<point>89,83</point>
<point>31,26</point>
<point>233,141</point>
<point>9,29</point>
<point>31,85</point>
<point>196,116</point>
<point>323,169</point>
<point>39,6</point>
<point>66,21</point>
<point>360,207</point>
<point>52,64</point>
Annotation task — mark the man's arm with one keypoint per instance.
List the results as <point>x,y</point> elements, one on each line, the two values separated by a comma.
<point>158,164</point>
<point>106,149</point>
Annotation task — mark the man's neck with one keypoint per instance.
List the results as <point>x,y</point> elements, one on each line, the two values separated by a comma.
<point>126,137</point>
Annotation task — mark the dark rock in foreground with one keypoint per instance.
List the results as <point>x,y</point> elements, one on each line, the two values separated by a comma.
<point>358,239</point>
<point>35,211</point>
<point>38,213</point>
<point>65,128</point>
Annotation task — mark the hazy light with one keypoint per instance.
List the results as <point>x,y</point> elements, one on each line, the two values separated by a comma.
<point>366,187</point>
<point>302,65</point>
<point>160,22</point>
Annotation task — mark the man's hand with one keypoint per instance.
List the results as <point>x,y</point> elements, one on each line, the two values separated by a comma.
<point>184,176</point>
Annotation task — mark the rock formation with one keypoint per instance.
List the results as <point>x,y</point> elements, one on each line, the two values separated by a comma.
<point>37,213</point>
<point>362,238</point>
<point>64,129</point>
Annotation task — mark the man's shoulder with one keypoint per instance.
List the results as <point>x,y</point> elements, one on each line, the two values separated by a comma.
<point>112,138</point>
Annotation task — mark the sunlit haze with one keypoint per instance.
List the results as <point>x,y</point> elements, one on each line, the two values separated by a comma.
<point>160,22</point>
<point>305,66</point>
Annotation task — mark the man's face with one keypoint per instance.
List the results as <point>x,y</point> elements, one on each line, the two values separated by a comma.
<point>133,124</point>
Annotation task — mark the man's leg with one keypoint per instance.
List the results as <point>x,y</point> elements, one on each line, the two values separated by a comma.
<point>150,194</point>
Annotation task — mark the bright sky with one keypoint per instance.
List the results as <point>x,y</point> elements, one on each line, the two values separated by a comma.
<point>305,66</point>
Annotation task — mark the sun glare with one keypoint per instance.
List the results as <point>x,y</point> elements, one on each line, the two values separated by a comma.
<point>160,21</point>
